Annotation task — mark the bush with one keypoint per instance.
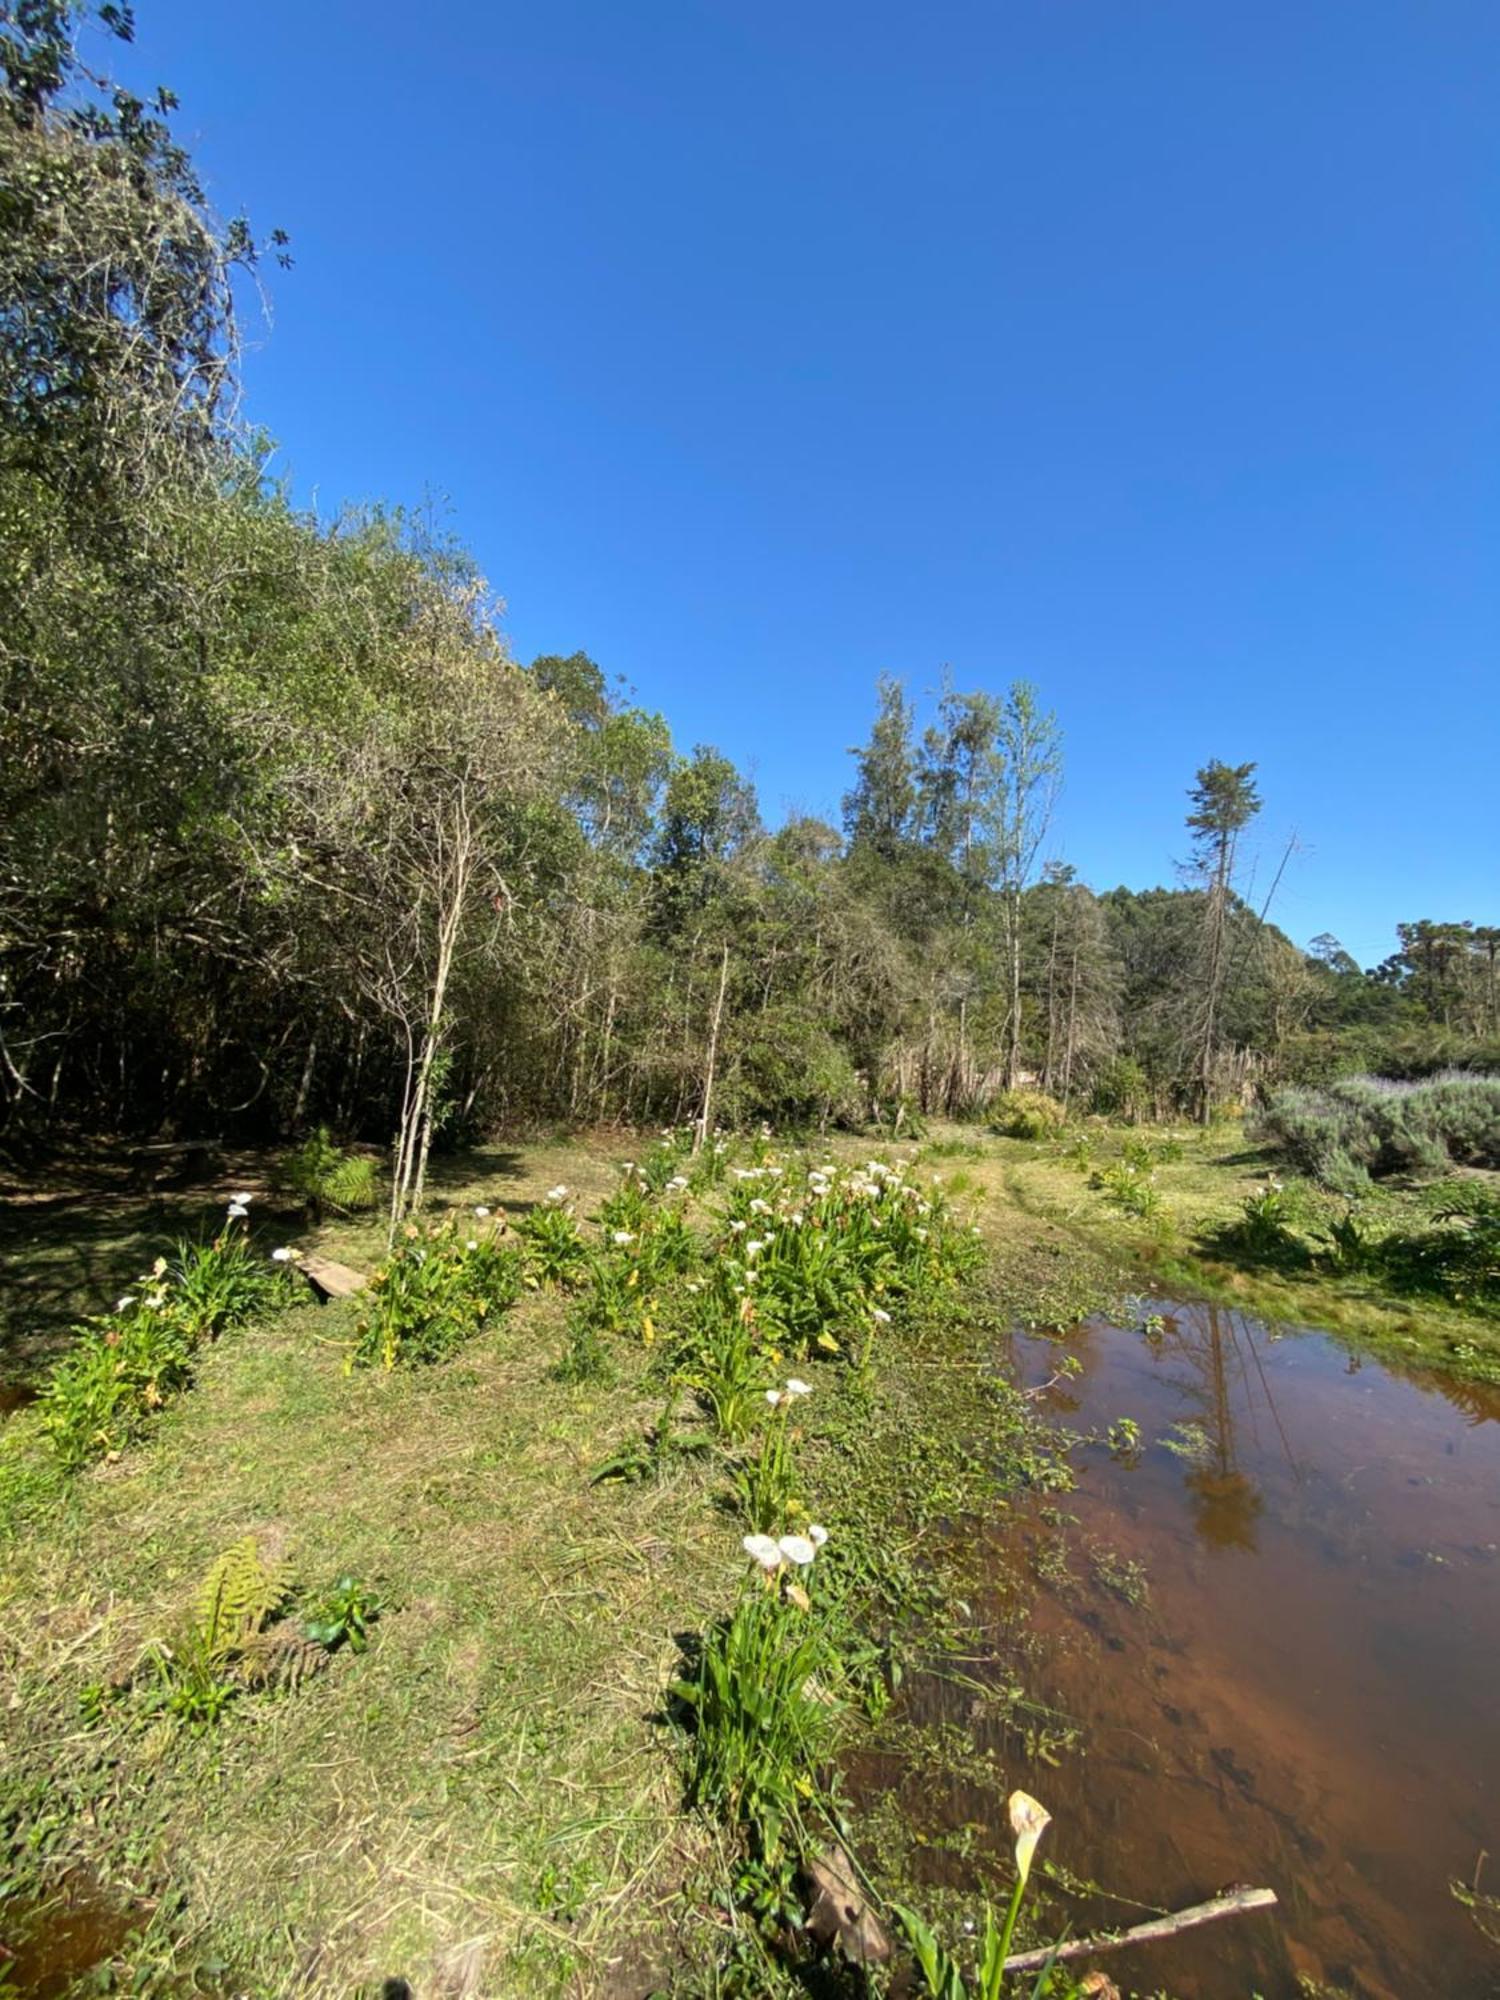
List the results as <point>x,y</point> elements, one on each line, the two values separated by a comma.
<point>1121,1089</point>
<point>792,1070</point>
<point>1362,1127</point>
<point>1027,1114</point>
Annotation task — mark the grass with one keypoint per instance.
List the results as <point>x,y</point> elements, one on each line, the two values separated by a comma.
<point>1184,1247</point>
<point>489,1754</point>
<point>488,1798</point>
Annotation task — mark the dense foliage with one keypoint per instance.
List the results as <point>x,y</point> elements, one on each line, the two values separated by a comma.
<point>288,840</point>
<point>1366,1126</point>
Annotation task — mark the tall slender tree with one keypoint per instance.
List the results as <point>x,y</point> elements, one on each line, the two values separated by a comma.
<point>1029,747</point>
<point>1224,801</point>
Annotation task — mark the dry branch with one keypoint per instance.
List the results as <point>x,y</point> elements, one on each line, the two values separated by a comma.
<point>1228,1905</point>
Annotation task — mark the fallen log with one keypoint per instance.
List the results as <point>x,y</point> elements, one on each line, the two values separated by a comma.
<point>1230,1904</point>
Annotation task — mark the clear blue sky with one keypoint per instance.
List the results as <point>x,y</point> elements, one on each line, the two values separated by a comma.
<point>1147,349</point>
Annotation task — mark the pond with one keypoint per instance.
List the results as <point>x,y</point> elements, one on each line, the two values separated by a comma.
<point>1305,1693</point>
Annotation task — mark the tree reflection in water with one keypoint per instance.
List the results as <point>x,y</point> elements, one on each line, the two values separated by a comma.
<point>1223,1367</point>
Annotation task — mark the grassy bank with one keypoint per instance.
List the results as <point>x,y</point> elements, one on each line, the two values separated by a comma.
<point>1194,1242</point>
<point>491,1797</point>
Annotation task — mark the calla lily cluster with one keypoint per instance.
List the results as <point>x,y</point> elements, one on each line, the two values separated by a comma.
<point>774,1554</point>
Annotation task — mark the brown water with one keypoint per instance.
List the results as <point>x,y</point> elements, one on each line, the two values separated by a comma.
<point>1309,1698</point>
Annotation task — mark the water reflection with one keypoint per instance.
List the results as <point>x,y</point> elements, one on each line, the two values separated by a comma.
<point>1307,1700</point>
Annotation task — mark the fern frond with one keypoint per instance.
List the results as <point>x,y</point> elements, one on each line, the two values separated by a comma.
<point>237,1596</point>
<point>281,1658</point>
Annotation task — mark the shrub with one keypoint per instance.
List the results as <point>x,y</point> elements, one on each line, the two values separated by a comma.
<point>1027,1114</point>
<point>1359,1127</point>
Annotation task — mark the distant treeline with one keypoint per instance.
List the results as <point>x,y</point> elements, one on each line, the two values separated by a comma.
<point>287,837</point>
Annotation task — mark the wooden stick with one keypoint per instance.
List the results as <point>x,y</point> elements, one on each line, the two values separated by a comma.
<point>1228,1905</point>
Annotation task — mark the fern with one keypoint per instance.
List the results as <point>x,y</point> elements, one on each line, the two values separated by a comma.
<point>236,1598</point>
<point>351,1184</point>
<point>281,1658</point>
<point>324,1176</point>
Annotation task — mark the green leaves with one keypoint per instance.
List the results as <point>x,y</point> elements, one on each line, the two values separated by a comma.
<point>345,1616</point>
<point>435,1290</point>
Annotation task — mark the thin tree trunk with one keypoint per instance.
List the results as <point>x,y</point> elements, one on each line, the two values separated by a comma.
<point>304,1085</point>
<point>700,1134</point>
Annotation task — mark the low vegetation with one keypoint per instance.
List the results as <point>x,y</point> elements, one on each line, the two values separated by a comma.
<point>1348,1133</point>
<point>751,1506</point>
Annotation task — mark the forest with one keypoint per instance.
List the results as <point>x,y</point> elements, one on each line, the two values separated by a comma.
<point>287,837</point>
<point>639,1334</point>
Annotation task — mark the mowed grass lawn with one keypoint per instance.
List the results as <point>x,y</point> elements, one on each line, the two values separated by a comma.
<point>488,1800</point>
<point>489,1785</point>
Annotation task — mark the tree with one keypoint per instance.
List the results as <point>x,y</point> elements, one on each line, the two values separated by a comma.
<point>1030,746</point>
<point>1076,980</point>
<point>880,807</point>
<point>412,840</point>
<point>1224,801</point>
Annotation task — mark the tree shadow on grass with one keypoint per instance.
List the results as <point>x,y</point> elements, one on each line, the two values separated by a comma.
<point>473,1166</point>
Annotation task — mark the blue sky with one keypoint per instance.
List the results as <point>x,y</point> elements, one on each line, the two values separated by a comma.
<point>1145,351</point>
